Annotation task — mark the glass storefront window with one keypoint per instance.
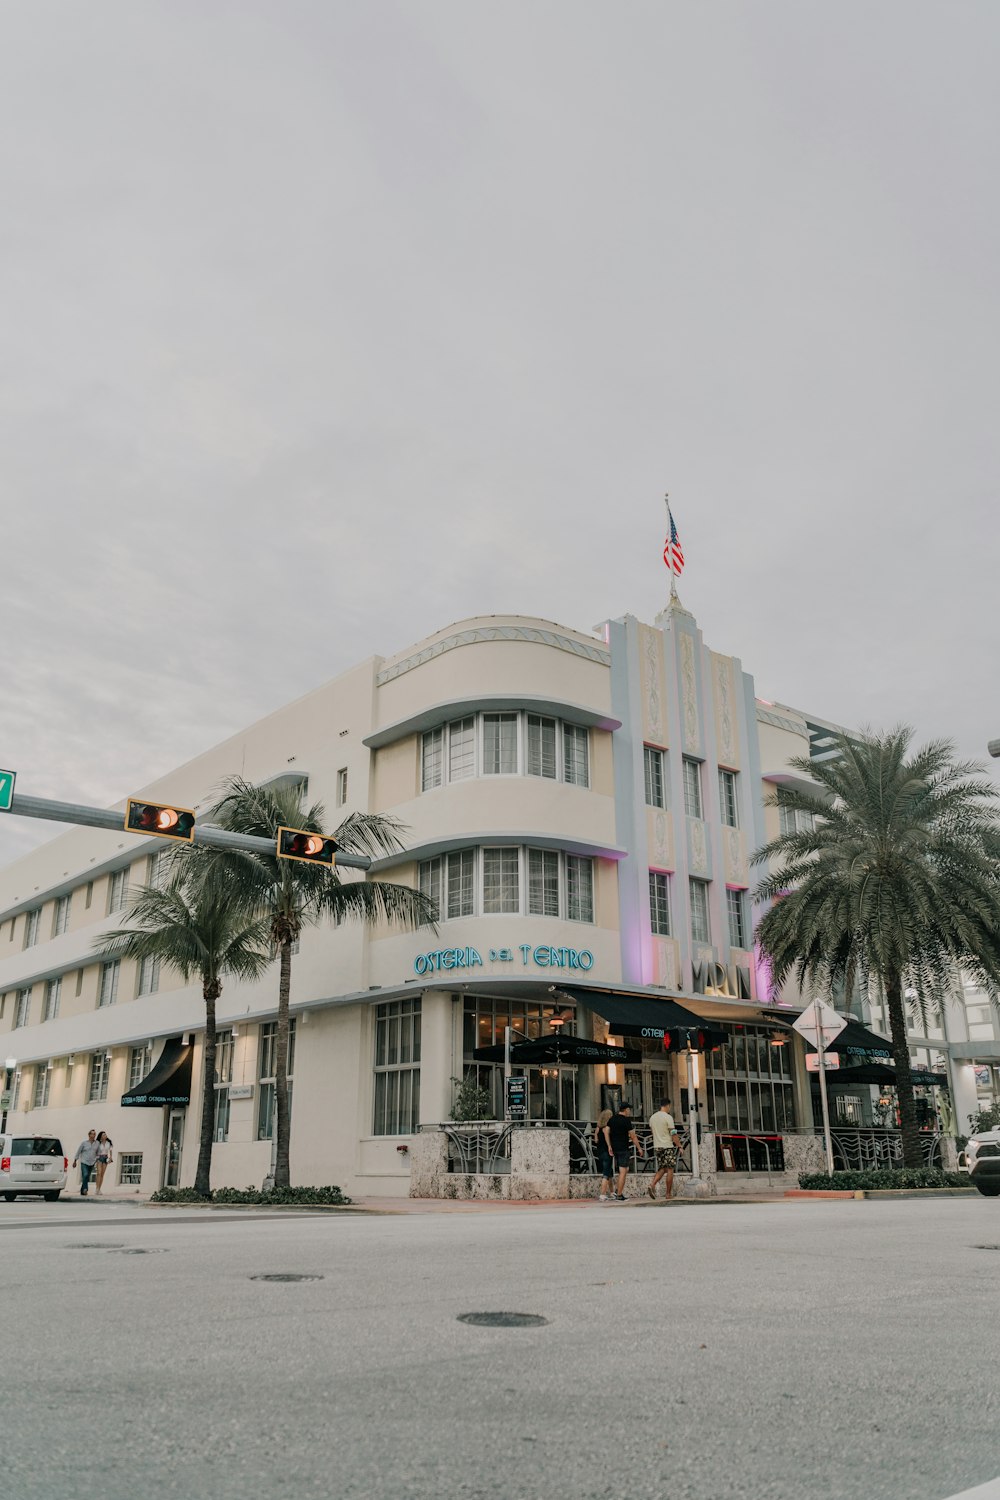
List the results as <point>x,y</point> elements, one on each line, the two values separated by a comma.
<point>749,1083</point>
<point>551,1088</point>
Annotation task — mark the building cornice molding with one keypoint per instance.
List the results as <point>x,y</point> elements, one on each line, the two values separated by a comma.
<point>536,635</point>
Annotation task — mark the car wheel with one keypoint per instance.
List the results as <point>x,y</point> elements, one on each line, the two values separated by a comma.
<point>988,1189</point>
<point>10,1197</point>
<point>51,1197</point>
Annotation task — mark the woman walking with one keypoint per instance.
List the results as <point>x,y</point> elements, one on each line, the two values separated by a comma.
<point>104,1157</point>
<point>602,1154</point>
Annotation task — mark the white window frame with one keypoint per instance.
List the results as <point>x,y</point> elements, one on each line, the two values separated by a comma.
<point>158,869</point>
<point>694,802</point>
<point>543,883</point>
<point>729,798</point>
<point>118,890</point>
<point>40,1092</point>
<point>736,917</point>
<point>22,1011</point>
<point>659,903</point>
<point>396,1084</point>
<point>539,759</point>
<point>60,916</point>
<point>575,772</point>
<point>51,998</point>
<point>654,768</point>
<point>266,1049</point>
<point>502,717</point>
<point>432,758</point>
<point>31,921</point>
<point>140,1060</point>
<point>341,786</point>
<point>544,746</point>
<point>129,1168</point>
<point>107,989</point>
<point>97,1082</point>
<point>579,885</point>
<point>147,980</point>
<point>697,911</point>
<point>502,854</point>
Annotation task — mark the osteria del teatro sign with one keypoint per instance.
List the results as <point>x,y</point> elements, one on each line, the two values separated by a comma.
<point>522,955</point>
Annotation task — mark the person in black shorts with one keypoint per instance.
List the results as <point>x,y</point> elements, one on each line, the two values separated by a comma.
<point>622,1133</point>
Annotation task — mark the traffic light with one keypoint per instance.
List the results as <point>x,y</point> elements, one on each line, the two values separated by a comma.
<point>310,848</point>
<point>159,818</point>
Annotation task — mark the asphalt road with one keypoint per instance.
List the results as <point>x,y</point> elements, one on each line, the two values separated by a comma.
<point>800,1351</point>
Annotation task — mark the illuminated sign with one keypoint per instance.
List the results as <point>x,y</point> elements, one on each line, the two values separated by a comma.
<point>537,955</point>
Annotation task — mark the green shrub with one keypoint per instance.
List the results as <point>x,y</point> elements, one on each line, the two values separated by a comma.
<point>889,1180</point>
<point>307,1195</point>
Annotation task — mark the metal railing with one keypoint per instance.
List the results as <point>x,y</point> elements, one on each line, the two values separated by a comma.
<point>480,1147</point>
<point>875,1149</point>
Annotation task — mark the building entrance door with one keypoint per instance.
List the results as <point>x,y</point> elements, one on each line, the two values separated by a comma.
<point>175,1140</point>
<point>645,1086</point>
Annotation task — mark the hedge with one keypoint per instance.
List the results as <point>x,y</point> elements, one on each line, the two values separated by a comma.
<point>904,1177</point>
<point>291,1195</point>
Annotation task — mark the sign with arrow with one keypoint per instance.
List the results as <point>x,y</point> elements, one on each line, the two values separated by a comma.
<point>7,779</point>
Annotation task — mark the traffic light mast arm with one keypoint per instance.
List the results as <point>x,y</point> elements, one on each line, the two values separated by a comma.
<point>204,833</point>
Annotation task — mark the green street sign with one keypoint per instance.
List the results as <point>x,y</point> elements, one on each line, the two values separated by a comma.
<point>7,779</point>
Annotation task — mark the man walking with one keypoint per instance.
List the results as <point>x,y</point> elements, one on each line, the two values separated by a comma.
<point>622,1133</point>
<point>86,1155</point>
<point>666,1144</point>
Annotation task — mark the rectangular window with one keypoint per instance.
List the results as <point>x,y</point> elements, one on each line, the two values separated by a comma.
<point>462,749</point>
<point>341,786</point>
<point>728,805</point>
<point>130,1169</point>
<point>499,744</point>
<point>149,976</point>
<point>40,1097</point>
<point>541,747</point>
<point>118,891</point>
<point>543,883</point>
<point>576,754</point>
<point>100,1066</point>
<point>692,788</point>
<point>158,869</point>
<point>501,881</point>
<point>431,751</point>
<point>79,981</point>
<point>23,1008</point>
<point>108,992</point>
<point>90,894</point>
<point>397,1067</point>
<point>794,820</point>
<point>50,1007</point>
<point>659,903</point>
<point>220,1125</point>
<point>265,1102</point>
<point>31,920</point>
<point>655,779</point>
<point>139,1061</point>
<point>224,1057</point>
<point>461,883</point>
<point>60,917</point>
<point>736,907</point>
<point>579,888</point>
<point>429,880</point>
<point>700,930</point>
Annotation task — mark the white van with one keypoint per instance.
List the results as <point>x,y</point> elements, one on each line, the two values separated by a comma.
<point>32,1164</point>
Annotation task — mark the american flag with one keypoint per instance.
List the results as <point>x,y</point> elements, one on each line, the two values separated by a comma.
<point>673,552</point>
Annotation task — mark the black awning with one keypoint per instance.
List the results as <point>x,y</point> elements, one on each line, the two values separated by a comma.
<point>858,1040</point>
<point>630,1014</point>
<point>168,1080</point>
<point>883,1075</point>
<point>557,1049</point>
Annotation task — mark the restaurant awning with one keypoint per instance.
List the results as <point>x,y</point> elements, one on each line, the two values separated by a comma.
<point>557,1049</point>
<point>858,1040</point>
<point>629,1014</point>
<point>168,1080</point>
<point>885,1076</point>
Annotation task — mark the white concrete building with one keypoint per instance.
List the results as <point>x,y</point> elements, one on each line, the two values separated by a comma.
<point>582,807</point>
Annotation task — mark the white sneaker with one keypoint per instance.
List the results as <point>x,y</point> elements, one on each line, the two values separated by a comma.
<point>603,1198</point>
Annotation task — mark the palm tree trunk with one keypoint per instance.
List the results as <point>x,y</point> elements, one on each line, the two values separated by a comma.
<point>282,1178</point>
<point>913,1156</point>
<point>203,1176</point>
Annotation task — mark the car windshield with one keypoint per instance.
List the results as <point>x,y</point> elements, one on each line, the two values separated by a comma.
<point>35,1145</point>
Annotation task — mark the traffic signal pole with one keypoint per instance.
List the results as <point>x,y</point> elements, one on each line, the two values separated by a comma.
<point>206,834</point>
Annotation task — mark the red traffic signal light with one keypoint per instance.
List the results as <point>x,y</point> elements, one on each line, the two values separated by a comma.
<point>158,818</point>
<point>311,848</point>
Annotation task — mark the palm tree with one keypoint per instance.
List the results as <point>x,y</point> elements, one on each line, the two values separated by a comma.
<point>289,895</point>
<point>896,883</point>
<point>192,925</point>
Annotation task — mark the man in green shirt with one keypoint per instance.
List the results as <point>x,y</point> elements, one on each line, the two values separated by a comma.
<point>666,1144</point>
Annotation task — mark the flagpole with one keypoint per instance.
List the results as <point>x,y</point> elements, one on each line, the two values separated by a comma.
<point>670,550</point>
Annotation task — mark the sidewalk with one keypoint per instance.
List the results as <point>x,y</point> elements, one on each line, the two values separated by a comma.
<point>498,1205</point>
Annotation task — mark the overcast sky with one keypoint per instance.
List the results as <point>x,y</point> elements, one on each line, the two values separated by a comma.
<point>323,325</point>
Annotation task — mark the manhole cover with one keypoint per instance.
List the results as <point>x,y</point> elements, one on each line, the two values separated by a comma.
<point>284,1276</point>
<point>93,1245</point>
<point>503,1320</point>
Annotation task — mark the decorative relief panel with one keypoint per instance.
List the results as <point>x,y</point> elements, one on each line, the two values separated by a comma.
<point>689,692</point>
<point>665,951</point>
<point>725,711</point>
<point>651,650</point>
<point>737,868</point>
<point>660,840</point>
<point>697,847</point>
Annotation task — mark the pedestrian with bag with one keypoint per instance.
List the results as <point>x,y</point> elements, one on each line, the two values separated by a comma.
<point>622,1136</point>
<point>666,1144</point>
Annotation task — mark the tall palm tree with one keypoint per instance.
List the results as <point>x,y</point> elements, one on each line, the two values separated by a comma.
<point>192,925</point>
<point>896,883</point>
<point>289,895</point>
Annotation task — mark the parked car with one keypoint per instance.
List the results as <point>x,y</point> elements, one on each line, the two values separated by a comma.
<point>32,1164</point>
<point>981,1159</point>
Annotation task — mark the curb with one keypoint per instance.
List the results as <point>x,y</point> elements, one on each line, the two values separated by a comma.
<point>888,1193</point>
<point>826,1193</point>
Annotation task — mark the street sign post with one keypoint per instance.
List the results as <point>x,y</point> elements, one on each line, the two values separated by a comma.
<point>7,779</point>
<point>821,1025</point>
